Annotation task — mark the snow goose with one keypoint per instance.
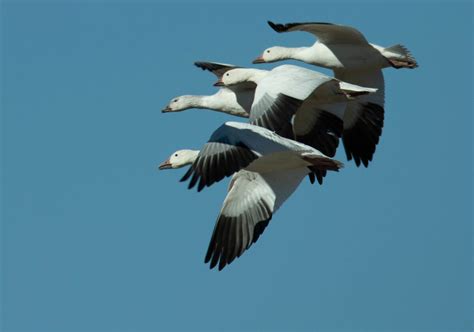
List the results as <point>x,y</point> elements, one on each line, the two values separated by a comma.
<point>291,99</point>
<point>268,169</point>
<point>338,47</point>
<point>353,59</point>
<point>231,100</point>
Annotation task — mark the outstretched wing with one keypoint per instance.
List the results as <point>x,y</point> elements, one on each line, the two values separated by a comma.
<point>327,33</point>
<point>245,214</point>
<point>250,203</point>
<point>320,126</point>
<point>364,117</point>
<point>216,68</point>
<point>275,114</point>
<point>221,156</point>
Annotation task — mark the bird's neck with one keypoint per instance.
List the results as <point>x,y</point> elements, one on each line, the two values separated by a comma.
<point>222,101</point>
<point>297,53</point>
<point>255,75</point>
<point>192,156</point>
<point>187,159</point>
<point>200,102</point>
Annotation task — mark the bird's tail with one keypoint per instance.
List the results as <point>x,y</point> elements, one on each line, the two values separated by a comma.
<point>399,57</point>
<point>352,90</point>
<point>322,163</point>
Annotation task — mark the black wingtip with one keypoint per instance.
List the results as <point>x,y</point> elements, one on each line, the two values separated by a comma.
<point>187,174</point>
<point>213,66</point>
<point>276,27</point>
<point>193,180</point>
<point>360,141</point>
<point>199,64</point>
<point>317,174</point>
<point>212,265</point>
<point>224,247</point>
<point>320,176</point>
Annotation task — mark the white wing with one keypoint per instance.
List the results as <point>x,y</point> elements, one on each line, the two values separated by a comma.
<point>293,81</point>
<point>316,122</point>
<point>327,33</point>
<point>251,200</point>
<point>280,94</point>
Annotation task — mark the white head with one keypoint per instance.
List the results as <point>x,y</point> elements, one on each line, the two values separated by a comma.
<point>273,54</point>
<point>179,159</point>
<point>236,76</point>
<point>180,103</point>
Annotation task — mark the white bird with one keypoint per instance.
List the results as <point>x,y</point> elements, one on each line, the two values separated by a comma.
<point>231,100</point>
<point>316,123</point>
<point>353,59</point>
<point>299,103</point>
<point>267,169</point>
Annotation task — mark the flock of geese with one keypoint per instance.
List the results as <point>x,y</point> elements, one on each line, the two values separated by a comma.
<point>296,118</point>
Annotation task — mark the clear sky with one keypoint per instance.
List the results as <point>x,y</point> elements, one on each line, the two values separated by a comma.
<point>95,238</point>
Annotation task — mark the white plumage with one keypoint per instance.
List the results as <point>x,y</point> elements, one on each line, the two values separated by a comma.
<point>345,50</point>
<point>299,103</point>
<point>234,100</point>
<point>296,117</point>
<point>266,169</point>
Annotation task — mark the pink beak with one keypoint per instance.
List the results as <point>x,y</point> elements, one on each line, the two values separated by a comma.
<point>259,60</point>
<point>219,83</point>
<point>165,165</point>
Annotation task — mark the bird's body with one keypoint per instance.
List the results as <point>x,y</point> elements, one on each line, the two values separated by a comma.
<point>251,201</point>
<point>299,103</point>
<point>338,47</point>
<point>235,146</point>
<point>353,59</point>
<point>235,100</point>
<point>296,117</point>
<point>344,56</point>
<point>266,169</point>
<point>295,102</point>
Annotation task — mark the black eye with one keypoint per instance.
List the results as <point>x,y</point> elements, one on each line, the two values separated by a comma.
<point>227,74</point>
<point>174,101</point>
<point>175,154</point>
<point>268,51</point>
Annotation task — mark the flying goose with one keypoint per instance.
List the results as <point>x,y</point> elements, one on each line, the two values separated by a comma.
<point>231,100</point>
<point>319,127</point>
<point>353,59</point>
<point>291,99</point>
<point>266,170</point>
<point>338,47</point>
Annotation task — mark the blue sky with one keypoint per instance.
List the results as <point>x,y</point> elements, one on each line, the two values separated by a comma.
<point>95,238</point>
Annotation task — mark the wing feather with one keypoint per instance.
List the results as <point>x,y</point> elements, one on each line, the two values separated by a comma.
<point>327,33</point>
<point>211,163</point>
<point>364,117</point>
<point>216,68</point>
